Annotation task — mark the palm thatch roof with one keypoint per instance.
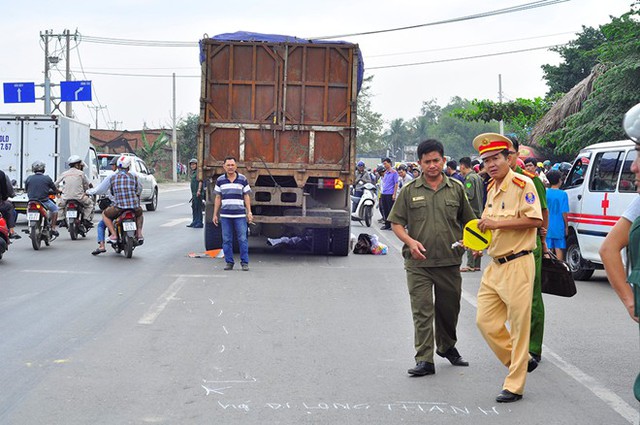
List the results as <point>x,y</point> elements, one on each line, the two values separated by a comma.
<point>568,105</point>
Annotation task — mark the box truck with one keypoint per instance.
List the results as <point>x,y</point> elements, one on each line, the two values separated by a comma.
<point>285,108</point>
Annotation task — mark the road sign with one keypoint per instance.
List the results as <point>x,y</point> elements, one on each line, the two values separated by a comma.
<point>75,91</point>
<point>19,93</point>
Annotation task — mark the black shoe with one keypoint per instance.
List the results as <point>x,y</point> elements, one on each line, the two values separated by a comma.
<point>385,228</point>
<point>54,233</point>
<point>532,365</point>
<point>87,224</point>
<point>197,226</point>
<point>190,225</point>
<point>507,396</point>
<point>422,369</point>
<point>228,266</point>
<point>245,267</point>
<point>15,236</point>
<point>536,357</point>
<point>454,357</point>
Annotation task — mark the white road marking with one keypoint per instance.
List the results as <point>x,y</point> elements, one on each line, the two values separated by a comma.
<point>161,303</point>
<point>199,275</point>
<point>610,398</point>
<point>176,205</point>
<point>215,390</point>
<point>175,190</point>
<point>175,222</point>
<point>225,330</point>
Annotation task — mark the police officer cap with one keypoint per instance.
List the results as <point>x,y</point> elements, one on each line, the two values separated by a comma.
<point>488,144</point>
<point>193,161</point>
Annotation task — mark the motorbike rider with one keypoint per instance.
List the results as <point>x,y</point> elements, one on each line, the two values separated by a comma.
<point>362,177</point>
<point>126,190</point>
<point>103,189</point>
<point>39,186</point>
<point>74,185</point>
<point>6,207</point>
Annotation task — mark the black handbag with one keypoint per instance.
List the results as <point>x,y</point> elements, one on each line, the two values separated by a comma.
<point>557,278</point>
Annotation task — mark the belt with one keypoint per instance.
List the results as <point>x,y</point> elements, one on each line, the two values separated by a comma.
<point>508,258</point>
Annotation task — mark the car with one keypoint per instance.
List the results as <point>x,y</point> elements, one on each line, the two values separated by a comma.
<point>149,195</point>
<point>600,187</point>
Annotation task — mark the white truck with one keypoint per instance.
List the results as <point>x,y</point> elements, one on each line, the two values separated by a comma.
<point>48,138</point>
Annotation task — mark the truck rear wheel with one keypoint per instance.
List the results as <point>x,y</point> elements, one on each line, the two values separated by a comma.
<point>212,236</point>
<point>320,241</point>
<point>340,241</point>
<point>577,264</point>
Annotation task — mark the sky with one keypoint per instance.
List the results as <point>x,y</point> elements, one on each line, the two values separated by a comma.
<point>132,85</point>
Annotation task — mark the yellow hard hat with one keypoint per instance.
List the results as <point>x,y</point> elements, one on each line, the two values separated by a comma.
<point>475,239</point>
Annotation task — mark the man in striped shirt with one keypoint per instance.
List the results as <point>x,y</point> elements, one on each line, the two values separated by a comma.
<point>233,204</point>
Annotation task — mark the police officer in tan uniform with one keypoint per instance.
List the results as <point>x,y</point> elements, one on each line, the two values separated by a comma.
<point>428,216</point>
<point>513,214</point>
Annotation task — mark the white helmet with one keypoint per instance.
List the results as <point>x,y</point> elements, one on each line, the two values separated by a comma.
<point>124,161</point>
<point>74,159</point>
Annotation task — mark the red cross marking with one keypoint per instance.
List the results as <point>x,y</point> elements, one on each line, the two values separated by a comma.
<point>605,204</point>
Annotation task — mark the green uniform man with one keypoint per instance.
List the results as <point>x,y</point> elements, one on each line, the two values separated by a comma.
<point>474,188</point>
<point>428,217</point>
<point>537,306</point>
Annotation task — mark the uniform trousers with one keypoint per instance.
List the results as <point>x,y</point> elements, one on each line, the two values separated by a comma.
<point>473,262</point>
<point>537,306</point>
<point>505,294</point>
<point>446,284</point>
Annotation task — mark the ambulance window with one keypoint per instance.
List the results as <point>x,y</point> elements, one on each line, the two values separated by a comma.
<point>606,168</point>
<point>576,176</point>
<point>628,178</point>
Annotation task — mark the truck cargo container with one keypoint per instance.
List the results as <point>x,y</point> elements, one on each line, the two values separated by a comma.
<point>285,108</point>
<point>51,139</point>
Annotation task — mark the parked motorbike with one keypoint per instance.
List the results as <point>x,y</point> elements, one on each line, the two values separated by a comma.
<point>125,225</point>
<point>39,224</point>
<point>74,219</point>
<point>4,236</point>
<point>364,204</point>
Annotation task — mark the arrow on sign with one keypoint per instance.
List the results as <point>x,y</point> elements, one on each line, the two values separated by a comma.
<point>78,91</point>
<point>19,95</point>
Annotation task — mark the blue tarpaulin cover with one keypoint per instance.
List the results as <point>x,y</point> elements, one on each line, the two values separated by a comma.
<point>276,38</point>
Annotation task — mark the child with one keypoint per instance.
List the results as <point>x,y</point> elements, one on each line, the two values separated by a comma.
<point>558,203</point>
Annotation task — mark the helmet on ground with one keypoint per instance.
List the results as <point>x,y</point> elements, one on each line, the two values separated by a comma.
<point>74,159</point>
<point>193,161</point>
<point>38,167</point>
<point>360,164</point>
<point>124,161</point>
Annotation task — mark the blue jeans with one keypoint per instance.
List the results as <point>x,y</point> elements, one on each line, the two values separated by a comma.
<point>240,227</point>
<point>50,205</point>
<point>101,229</point>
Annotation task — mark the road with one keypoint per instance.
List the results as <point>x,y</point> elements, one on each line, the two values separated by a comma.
<point>166,339</point>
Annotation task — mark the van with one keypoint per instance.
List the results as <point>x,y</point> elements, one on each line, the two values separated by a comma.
<point>600,187</point>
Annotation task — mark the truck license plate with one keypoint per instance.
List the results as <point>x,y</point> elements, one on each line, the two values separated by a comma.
<point>33,216</point>
<point>72,214</point>
<point>129,226</point>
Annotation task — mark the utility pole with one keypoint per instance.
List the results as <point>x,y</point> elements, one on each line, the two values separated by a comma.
<point>115,124</point>
<point>500,100</point>
<point>47,82</point>
<point>68,109</point>
<point>97,108</point>
<point>174,141</point>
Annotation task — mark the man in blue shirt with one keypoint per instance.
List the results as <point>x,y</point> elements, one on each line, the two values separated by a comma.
<point>389,191</point>
<point>233,203</point>
<point>558,203</point>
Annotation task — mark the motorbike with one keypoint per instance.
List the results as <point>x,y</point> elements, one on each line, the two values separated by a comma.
<point>364,204</point>
<point>39,224</point>
<point>74,219</point>
<point>4,236</point>
<point>125,225</point>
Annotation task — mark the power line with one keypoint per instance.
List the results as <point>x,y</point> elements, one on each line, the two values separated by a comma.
<point>142,43</point>
<point>512,9</point>
<point>141,75</point>
<point>463,58</point>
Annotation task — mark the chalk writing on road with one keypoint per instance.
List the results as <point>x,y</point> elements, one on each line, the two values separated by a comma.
<point>420,407</point>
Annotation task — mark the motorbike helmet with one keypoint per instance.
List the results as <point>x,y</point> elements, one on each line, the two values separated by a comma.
<point>74,159</point>
<point>124,161</point>
<point>193,161</point>
<point>360,164</point>
<point>380,169</point>
<point>38,167</point>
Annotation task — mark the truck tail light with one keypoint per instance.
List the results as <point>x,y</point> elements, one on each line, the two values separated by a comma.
<point>330,184</point>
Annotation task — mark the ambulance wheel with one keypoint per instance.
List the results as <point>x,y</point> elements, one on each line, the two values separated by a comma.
<point>577,264</point>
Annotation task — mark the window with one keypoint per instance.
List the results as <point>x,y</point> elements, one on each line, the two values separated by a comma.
<point>576,176</point>
<point>142,167</point>
<point>606,168</point>
<point>627,178</point>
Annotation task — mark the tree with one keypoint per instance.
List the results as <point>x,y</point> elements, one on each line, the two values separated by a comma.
<point>151,153</point>
<point>188,137</point>
<point>579,57</point>
<point>369,123</point>
<point>396,137</point>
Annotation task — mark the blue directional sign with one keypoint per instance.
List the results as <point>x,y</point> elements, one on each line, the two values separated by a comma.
<point>75,91</point>
<point>19,93</point>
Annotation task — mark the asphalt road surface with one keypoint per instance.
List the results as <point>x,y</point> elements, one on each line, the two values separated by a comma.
<point>166,339</point>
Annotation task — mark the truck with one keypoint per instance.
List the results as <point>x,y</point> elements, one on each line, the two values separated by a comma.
<point>48,138</point>
<point>285,108</point>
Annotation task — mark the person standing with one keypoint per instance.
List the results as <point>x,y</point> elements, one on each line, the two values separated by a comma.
<point>452,171</point>
<point>196,196</point>
<point>389,191</point>
<point>233,203</point>
<point>428,217</point>
<point>513,214</point>
<point>558,203</point>
<point>403,176</point>
<point>537,308</point>
<point>474,188</point>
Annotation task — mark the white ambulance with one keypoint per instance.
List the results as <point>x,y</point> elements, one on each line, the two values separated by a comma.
<point>600,186</point>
